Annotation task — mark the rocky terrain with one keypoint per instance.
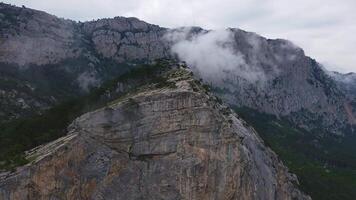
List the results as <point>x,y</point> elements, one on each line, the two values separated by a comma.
<point>177,141</point>
<point>270,76</point>
<point>304,113</point>
<point>35,37</point>
<point>290,84</point>
<point>35,45</point>
<point>43,50</point>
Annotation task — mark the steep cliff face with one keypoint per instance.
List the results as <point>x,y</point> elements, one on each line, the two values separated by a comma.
<point>126,39</point>
<point>174,142</point>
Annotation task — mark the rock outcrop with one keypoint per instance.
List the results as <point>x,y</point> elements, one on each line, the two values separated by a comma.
<point>125,39</point>
<point>175,142</point>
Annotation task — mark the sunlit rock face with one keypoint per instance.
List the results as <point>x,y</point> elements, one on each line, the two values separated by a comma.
<point>167,143</point>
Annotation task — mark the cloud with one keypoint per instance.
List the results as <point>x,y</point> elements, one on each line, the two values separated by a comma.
<point>323,28</point>
<point>88,80</point>
<point>212,55</point>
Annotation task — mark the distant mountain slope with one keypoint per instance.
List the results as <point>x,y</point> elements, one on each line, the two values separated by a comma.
<point>35,37</point>
<point>293,85</point>
<point>347,82</point>
<point>272,76</point>
<point>45,60</point>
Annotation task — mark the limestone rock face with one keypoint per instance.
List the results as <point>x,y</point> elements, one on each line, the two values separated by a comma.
<point>125,39</point>
<point>35,37</point>
<point>167,143</point>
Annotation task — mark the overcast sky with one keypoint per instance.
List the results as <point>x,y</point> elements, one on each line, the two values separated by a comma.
<point>325,29</point>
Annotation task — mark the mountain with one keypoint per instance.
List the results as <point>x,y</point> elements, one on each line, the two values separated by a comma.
<point>45,60</point>
<point>176,140</point>
<point>38,48</point>
<point>271,76</point>
<point>53,70</point>
<point>299,110</point>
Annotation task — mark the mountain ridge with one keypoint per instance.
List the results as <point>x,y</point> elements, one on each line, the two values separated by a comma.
<point>93,52</point>
<point>55,60</point>
<point>204,151</point>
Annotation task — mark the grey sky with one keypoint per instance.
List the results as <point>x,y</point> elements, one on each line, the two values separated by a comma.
<point>325,29</point>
